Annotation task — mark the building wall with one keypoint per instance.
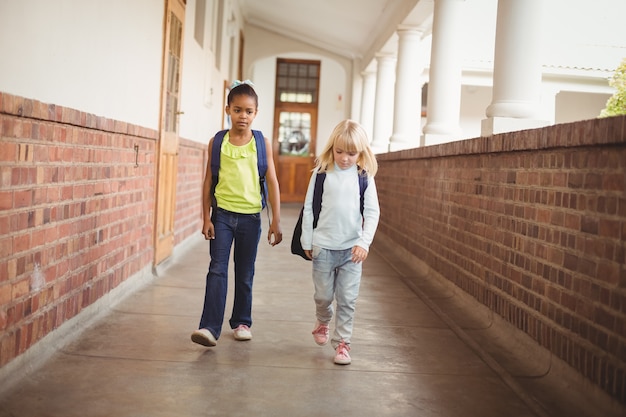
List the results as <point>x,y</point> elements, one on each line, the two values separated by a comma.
<point>532,224</point>
<point>79,121</point>
<point>192,160</point>
<point>71,54</point>
<point>573,106</point>
<point>77,200</point>
<point>103,58</point>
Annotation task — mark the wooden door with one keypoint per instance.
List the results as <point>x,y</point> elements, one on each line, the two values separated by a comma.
<point>295,125</point>
<point>167,161</point>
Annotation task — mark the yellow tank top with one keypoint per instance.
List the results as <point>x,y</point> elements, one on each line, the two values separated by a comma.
<point>238,189</point>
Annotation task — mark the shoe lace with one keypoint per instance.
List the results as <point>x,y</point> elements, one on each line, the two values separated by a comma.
<point>343,349</point>
<point>242,327</point>
<point>321,330</point>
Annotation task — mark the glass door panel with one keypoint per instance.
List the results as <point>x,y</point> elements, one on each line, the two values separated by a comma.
<point>294,133</point>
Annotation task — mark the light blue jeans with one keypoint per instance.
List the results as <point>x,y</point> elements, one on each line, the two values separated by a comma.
<point>336,277</point>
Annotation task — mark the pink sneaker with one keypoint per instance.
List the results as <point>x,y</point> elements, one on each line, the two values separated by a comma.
<point>342,357</point>
<point>320,334</point>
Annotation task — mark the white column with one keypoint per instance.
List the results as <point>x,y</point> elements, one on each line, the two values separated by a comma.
<point>516,98</point>
<point>383,106</point>
<point>444,85</point>
<point>367,102</point>
<point>407,126</point>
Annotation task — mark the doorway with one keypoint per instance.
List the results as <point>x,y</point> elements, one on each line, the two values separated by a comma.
<point>295,125</point>
<point>167,160</point>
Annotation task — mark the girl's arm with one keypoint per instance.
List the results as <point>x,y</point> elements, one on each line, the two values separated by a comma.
<point>274,197</point>
<point>371,214</point>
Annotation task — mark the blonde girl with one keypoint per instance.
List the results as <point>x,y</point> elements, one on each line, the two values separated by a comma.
<point>340,241</point>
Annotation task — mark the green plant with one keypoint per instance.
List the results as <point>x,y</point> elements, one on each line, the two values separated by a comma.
<point>616,104</point>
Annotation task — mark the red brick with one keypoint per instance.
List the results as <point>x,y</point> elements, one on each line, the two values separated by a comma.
<point>18,290</point>
<point>22,198</point>
<point>6,246</point>
<point>21,243</point>
<point>8,152</point>
<point>6,200</point>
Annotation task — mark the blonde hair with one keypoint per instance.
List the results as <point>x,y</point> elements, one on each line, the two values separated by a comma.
<point>351,137</point>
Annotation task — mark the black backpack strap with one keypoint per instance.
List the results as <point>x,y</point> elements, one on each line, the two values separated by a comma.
<point>362,187</point>
<point>296,245</point>
<point>318,190</point>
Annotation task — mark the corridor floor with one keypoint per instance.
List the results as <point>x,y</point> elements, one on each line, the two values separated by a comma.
<point>419,349</point>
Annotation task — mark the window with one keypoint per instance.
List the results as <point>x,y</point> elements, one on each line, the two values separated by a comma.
<point>294,133</point>
<point>297,81</point>
<point>200,17</point>
<point>219,29</point>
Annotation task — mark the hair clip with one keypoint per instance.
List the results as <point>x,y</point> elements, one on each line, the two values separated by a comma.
<point>237,83</point>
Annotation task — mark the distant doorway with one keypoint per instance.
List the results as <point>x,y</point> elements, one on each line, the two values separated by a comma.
<point>295,125</point>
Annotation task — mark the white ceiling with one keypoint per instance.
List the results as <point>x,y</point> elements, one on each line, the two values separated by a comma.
<point>350,28</point>
<point>579,34</point>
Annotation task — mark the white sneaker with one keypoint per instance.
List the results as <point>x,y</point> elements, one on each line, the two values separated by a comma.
<point>203,337</point>
<point>242,332</point>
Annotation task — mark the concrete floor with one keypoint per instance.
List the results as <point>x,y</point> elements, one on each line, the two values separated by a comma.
<point>419,349</point>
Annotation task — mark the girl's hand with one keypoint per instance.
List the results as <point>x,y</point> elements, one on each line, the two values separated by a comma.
<point>308,253</point>
<point>358,254</point>
<point>208,230</point>
<point>276,232</point>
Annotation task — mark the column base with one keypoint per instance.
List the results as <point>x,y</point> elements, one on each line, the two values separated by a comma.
<point>400,146</point>
<point>401,142</point>
<point>429,139</point>
<point>379,148</point>
<point>494,125</point>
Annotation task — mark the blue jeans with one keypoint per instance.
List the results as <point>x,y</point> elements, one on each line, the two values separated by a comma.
<point>245,231</point>
<point>335,276</point>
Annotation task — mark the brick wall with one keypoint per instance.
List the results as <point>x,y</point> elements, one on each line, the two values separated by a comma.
<point>192,160</point>
<point>74,202</point>
<point>531,224</point>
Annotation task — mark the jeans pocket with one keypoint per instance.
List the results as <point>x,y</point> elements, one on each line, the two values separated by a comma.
<point>316,251</point>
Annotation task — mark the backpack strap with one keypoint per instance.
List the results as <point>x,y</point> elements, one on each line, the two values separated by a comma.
<point>261,162</point>
<point>216,151</point>
<point>318,190</point>
<point>362,187</point>
<point>261,157</point>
